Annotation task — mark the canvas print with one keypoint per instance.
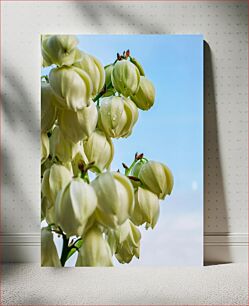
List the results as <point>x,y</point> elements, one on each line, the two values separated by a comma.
<point>121,150</point>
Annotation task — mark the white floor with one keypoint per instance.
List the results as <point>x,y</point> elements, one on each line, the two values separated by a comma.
<point>26,284</point>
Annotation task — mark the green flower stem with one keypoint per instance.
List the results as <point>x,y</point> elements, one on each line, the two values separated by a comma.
<point>137,64</point>
<point>74,244</point>
<point>102,92</point>
<point>128,171</point>
<point>69,250</point>
<point>65,250</point>
<point>85,177</point>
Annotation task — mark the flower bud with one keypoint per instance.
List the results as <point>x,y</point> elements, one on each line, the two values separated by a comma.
<point>128,242</point>
<point>54,179</point>
<point>157,178</point>
<point>117,116</point>
<point>93,67</point>
<point>61,147</point>
<point>60,50</point>
<point>108,74</point>
<point>95,251</point>
<point>136,169</point>
<point>131,108</point>
<point>78,125</point>
<point>146,208</point>
<point>115,198</point>
<point>125,78</point>
<point>145,97</point>
<point>99,149</point>
<point>72,87</point>
<point>49,255</point>
<point>44,147</point>
<point>75,203</point>
<point>109,90</point>
<point>48,109</point>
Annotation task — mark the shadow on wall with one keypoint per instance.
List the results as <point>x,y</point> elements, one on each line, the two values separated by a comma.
<point>112,13</point>
<point>20,116</point>
<point>214,194</point>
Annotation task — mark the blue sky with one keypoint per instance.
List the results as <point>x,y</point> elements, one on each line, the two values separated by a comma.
<point>170,132</point>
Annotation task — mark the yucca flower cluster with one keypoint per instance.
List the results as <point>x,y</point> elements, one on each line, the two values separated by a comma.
<point>83,106</point>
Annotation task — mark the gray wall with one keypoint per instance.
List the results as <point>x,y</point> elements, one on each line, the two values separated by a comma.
<point>224,26</point>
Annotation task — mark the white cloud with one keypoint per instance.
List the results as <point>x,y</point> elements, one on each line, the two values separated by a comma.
<point>176,240</point>
<point>194,185</point>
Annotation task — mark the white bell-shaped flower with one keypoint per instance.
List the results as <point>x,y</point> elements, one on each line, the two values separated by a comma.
<point>47,211</point>
<point>125,78</point>
<point>98,148</point>
<point>49,255</point>
<point>117,116</point>
<point>78,125</point>
<point>147,208</point>
<point>75,204</point>
<point>54,179</point>
<point>61,147</point>
<point>60,50</point>
<point>95,250</point>
<point>44,147</point>
<point>145,97</point>
<point>157,177</point>
<point>108,74</point>
<point>72,87</point>
<point>48,108</point>
<point>93,67</point>
<point>125,242</point>
<point>115,198</point>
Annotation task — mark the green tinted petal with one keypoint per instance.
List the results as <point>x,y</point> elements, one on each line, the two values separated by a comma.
<point>60,49</point>
<point>78,125</point>
<point>72,87</point>
<point>44,147</point>
<point>95,250</point>
<point>125,78</point>
<point>145,96</point>
<point>48,109</point>
<point>49,255</point>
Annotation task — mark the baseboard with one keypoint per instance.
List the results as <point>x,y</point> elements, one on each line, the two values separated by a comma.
<point>225,247</point>
<point>218,247</point>
<point>20,247</point>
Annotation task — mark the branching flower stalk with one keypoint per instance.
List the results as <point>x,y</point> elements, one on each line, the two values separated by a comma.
<point>98,215</point>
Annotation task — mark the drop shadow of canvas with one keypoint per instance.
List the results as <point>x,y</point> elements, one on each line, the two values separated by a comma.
<point>214,194</point>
